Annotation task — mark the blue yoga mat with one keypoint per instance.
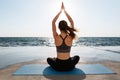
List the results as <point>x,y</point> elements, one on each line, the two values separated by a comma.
<point>45,69</point>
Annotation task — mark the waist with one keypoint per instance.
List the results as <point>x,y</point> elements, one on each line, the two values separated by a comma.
<point>63,56</point>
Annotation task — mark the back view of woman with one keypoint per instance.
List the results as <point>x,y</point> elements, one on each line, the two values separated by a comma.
<point>63,42</point>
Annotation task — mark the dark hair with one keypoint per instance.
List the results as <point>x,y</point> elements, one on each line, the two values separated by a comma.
<point>63,26</point>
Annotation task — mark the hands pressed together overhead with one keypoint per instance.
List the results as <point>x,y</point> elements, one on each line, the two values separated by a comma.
<point>62,7</point>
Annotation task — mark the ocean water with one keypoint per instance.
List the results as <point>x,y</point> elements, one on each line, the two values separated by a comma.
<point>45,41</point>
<point>90,49</point>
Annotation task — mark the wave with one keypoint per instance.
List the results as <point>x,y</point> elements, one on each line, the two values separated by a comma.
<point>46,41</point>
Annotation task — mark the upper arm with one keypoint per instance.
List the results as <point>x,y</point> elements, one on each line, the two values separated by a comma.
<point>72,24</point>
<point>54,29</point>
<point>54,26</point>
<point>70,20</point>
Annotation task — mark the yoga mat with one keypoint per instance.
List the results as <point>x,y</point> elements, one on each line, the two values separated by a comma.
<point>45,69</point>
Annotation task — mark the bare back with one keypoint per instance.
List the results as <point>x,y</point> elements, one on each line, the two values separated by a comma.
<point>59,41</point>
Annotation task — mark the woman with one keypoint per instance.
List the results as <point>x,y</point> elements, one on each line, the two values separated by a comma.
<point>63,43</point>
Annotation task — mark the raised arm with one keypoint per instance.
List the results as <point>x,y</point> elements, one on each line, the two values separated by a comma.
<point>54,25</point>
<point>68,16</point>
<point>70,19</point>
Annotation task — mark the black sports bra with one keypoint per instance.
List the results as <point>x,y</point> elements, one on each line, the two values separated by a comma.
<point>63,47</point>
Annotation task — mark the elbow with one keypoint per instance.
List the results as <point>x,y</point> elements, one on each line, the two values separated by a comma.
<point>72,22</point>
<point>53,22</point>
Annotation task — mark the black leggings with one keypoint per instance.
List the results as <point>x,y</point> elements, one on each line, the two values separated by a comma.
<point>63,65</point>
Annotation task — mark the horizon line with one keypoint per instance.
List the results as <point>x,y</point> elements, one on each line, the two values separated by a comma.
<point>51,37</point>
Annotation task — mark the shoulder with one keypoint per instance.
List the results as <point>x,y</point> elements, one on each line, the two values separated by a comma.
<point>56,36</point>
<point>69,37</point>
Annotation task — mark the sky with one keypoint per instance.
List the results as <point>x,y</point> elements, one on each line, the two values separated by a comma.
<point>32,18</point>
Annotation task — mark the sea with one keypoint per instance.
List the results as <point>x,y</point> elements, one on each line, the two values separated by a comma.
<point>14,50</point>
<point>46,41</point>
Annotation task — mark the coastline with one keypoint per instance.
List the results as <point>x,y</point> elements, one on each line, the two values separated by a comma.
<point>13,55</point>
<point>6,73</point>
<point>19,56</point>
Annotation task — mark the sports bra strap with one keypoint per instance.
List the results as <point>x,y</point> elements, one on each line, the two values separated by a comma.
<point>63,38</point>
<point>63,48</point>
